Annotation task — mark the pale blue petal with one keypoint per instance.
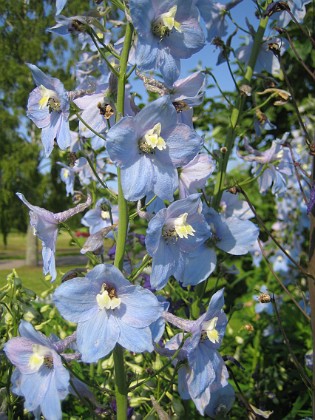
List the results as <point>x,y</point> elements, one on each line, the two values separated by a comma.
<point>133,339</point>
<point>97,336</point>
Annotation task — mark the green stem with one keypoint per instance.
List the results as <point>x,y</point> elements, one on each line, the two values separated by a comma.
<point>121,389</point>
<point>235,116</point>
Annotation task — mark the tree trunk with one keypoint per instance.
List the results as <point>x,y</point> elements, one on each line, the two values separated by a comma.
<point>31,257</point>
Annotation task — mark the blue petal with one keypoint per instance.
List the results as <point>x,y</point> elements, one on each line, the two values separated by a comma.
<point>135,339</point>
<point>97,336</point>
<point>76,299</point>
<point>139,307</point>
<point>138,179</point>
<point>198,266</point>
<point>164,264</point>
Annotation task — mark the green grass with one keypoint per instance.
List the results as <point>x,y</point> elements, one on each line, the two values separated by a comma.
<point>16,246</point>
<point>33,277</point>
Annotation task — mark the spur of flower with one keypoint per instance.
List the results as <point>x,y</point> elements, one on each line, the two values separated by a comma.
<point>108,310</point>
<point>167,31</point>
<point>149,147</point>
<point>45,224</point>
<point>40,376</point>
<point>48,107</point>
<point>173,234</point>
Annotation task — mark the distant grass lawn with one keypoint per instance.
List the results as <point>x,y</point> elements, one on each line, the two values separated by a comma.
<point>33,277</point>
<point>16,246</point>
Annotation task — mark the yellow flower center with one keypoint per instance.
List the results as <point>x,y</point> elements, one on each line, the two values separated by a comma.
<point>38,357</point>
<point>182,228</point>
<point>209,328</point>
<point>152,140</point>
<point>48,98</point>
<point>165,23</point>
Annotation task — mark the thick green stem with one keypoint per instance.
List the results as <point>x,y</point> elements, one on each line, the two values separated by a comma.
<point>235,116</point>
<point>121,389</point>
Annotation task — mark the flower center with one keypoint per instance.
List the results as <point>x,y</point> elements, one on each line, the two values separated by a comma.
<point>180,106</point>
<point>106,110</point>
<point>40,356</point>
<point>49,98</point>
<point>178,228</point>
<point>105,215</point>
<point>209,328</point>
<point>152,140</point>
<point>107,298</point>
<point>165,23</point>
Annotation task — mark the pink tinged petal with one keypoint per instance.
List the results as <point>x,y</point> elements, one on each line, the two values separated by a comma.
<point>65,215</point>
<point>19,351</point>
<point>195,174</point>
<point>97,337</point>
<point>188,87</point>
<point>135,339</point>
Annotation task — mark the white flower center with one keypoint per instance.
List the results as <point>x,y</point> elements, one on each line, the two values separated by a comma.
<point>153,138</point>
<point>210,328</point>
<point>48,98</point>
<point>38,357</point>
<point>182,228</point>
<point>107,300</point>
<point>104,215</point>
<point>165,23</point>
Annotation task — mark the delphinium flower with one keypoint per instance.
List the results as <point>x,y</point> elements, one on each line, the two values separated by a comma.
<point>98,111</point>
<point>108,310</point>
<point>204,373</point>
<point>149,147</point>
<point>40,376</point>
<point>67,175</point>
<point>166,32</point>
<point>274,166</point>
<point>266,60</point>
<point>194,175</point>
<point>48,107</point>
<point>231,235</point>
<point>99,217</point>
<point>45,224</point>
<point>184,93</point>
<point>281,16</point>
<point>214,16</point>
<point>187,93</point>
<point>172,235</point>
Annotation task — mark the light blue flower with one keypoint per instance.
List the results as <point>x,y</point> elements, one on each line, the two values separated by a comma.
<point>172,235</point>
<point>40,376</point>
<point>45,225</point>
<point>232,235</point>
<point>60,4</point>
<point>108,310</point>
<point>149,147</point>
<point>48,107</point>
<point>167,31</point>
<point>99,217</point>
<point>204,371</point>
